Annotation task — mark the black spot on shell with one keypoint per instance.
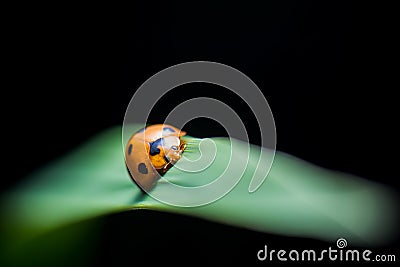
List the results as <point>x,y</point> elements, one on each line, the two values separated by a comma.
<point>154,150</point>
<point>168,129</point>
<point>130,149</point>
<point>142,168</point>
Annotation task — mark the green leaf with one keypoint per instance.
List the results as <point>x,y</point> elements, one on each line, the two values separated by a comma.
<point>296,199</point>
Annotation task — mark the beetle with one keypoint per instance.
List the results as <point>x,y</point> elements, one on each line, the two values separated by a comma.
<point>152,151</point>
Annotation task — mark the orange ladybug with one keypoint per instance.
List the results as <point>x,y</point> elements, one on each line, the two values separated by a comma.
<point>152,151</point>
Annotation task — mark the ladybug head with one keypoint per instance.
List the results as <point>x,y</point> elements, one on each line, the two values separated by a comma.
<point>173,148</point>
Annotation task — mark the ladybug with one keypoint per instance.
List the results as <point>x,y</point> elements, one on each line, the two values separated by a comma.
<point>152,151</point>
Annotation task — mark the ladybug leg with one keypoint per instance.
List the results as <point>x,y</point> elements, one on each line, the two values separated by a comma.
<point>182,147</point>
<point>166,167</point>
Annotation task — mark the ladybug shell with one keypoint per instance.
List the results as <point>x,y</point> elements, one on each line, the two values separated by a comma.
<point>139,164</point>
<point>153,132</point>
<point>143,167</point>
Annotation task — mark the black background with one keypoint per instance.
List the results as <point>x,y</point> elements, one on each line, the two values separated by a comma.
<point>326,69</point>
